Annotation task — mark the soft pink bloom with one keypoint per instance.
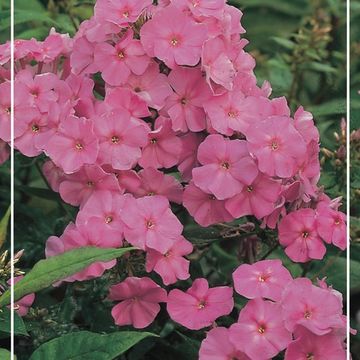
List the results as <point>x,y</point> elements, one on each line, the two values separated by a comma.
<point>208,8</point>
<point>4,152</point>
<point>277,145</point>
<point>80,236</point>
<point>174,42</point>
<point>163,148</point>
<point>170,265</point>
<point>51,48</point>
<point>298,234</point>
<point>227,167</point>
<point>217,346</point>
<point>22,306</point>
<point>260,330</point>
<point>317,309</point>
<point>309,346</point>
<point>152,86</point>
<point>265,279</point>
<point>116,63</point>
<point>77,188</point>
<point>120,139</point>
<point>149,182</point>
<point>185,105</point>
<point>150,223</point>
<point>82,57</point>
<point>304,124</point>
<point>74,145</point>
<point>53,174</point>
<point>200,305</point>
<point>331,226</point>
<point>205,208</point>
<point>139,301</point>
<point>258,198</point>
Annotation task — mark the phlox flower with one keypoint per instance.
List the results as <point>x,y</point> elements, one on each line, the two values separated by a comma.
<point>298,234</point>
<point>319,310</point>
<point>82,57</point>
<point>174,42</point>
<point>277,145</point>
<point>205,208</point>
<point>258,198</point>
<point>171,264</point>
<point>163,147</point>
<point>208,8</point>
<point>217,346</point>
<point>22,305</point>
<point>117,62</point>
<point>227,167</point>
<point>200,305</point>
<point>4,152</point>
<point>260,330</point>
<point>150,223</point>
<point>304,124</point>
<point>53,174</point>
<point>120,139</point>
<point>139,301</point>
<point>76,189</point>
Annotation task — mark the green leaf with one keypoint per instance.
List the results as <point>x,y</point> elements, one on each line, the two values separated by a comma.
<point>332,107</point>
<point>3,226</point>
<point>48,271</point>
<point>5,354</point>
<point>85,345</point>
<point>5,323</point>
<point>285,43</point>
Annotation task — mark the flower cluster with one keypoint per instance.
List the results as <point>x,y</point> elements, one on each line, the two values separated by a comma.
<point>132,99</point>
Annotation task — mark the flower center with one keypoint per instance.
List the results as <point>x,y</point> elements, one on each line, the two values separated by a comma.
<point>90,184</point>
<point>121,54</point>
<point>150,224</point>
<point>183,101</point>
<point>262,278</point>
<point>249,188</point>
<point>115,139</point>
<point>151,193</point>
<point>310,356</point>
<point>261,329</point>
<point>201,304</point>
<point>167,254</point>
<point>174,41</point>
<point>305,234</point>
<point>307,315</point>
<point>108,219</point>
<point>8,110</point>
<point>79,146</point>
<point>225,165</point>
<point>153,141</point>
<point>126,14</point>
<point>233,114</point>
<point>35,128</point>
<point>35,93</point>
<point>337,222</point>
<point>274,145</point>
<point>137,89</point>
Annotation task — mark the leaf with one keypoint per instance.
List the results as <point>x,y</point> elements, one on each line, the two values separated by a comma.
<point>285,43</point>
<point>39,192</point>
<point>5,324</point>
<point>332,107</point>
<point>48,271</point>
<point>4,225</point>
<point>5,354</point>
<point>85,345</point>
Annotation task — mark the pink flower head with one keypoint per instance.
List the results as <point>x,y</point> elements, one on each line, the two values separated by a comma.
<point>204,207</point>
<point>277,145</point>
<point>117,62</point>
<point>4,152</point>
<point>82,57</point>
<point>227,167</point>
<point>331,226</point>
<point>139,301</point>
<point>304,124</point>
<point>74,145</point>
<point>260,330</point>
<point>76,189</point>
<point>217,346</point>
<point>207,8</point>
<point>53,174</point>
<point>185,106</point>
<point>120,139</point>
<point>299,235</point>
<point>80,236</point>
<point>22,306</point>
<point>150,223</point>
<point>170,265</point>
<point>258,198</point>
<point>264,279</point>
<point>200,305</point>
<point>149,182</point>
<point>163,148</point>
<point>174,42</point>
<point>319,310</point>
<point>120,13</point>
<point>309,346</point>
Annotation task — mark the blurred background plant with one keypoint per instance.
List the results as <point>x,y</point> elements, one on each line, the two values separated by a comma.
<point>300,47</point>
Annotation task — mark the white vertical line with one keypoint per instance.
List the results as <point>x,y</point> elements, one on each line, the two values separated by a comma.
<point>348,174</point>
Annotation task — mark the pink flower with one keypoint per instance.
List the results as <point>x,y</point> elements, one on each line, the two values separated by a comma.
<point>277,145</point>
<point>22,306</point>
<point>298,233</point>
<point>304,124</point>
<point>74,145</point>
<point>200,305</point>
<point>139,301</point>
<point>331,226</point>
<point>217,346</point>
<point>53,174</point>
<point>149,182</point>
<point>258,198</point>
<point>120,139</point>
<point>309,346</point>
<point>317,309</point>
<point>117,62</point>
<point>82,57</point>
<point>170,265</point>
<point>4,152</point>
<point>80,236</point>
<point>260,330</point>
<point>150,223</point>
<point>204,207</point>
<point>227,167</point>
<point>163,148</point>
<point>208,8</point>
<point>185,105</point>
<point>76,189</point>
<point>174,42</point>
<point>264,279</point>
